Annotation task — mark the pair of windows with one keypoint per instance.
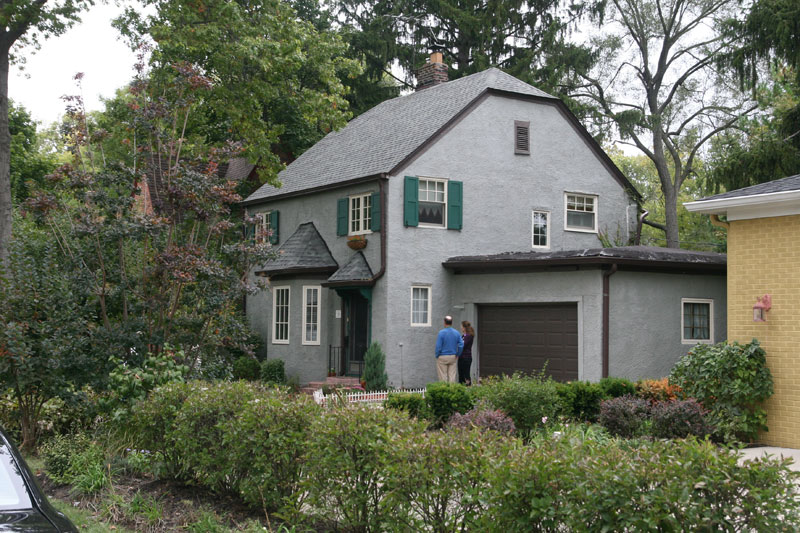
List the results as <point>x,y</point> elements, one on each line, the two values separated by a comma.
<point>580,214</point>
<point>266,227</point>
<point>697,321</point>
<point>358,214</point>
<point>433,202</point>
<point>281,307</point>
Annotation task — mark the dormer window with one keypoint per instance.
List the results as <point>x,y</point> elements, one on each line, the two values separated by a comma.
<point>522,141</point>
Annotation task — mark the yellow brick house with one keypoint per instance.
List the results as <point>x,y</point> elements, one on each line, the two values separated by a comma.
<point>763,224</point>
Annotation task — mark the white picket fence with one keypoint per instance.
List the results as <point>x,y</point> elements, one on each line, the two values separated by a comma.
<point>373,397</point>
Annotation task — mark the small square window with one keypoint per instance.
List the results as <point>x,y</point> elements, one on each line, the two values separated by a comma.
<point>540,229</point>
<point>420,306</point>
<point>432,202</point>
<point>360,214</point>
<point>580,212</point>
<point>697,321</point>
<point>280,315</point>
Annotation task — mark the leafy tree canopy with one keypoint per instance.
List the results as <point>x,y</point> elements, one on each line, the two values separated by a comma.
<point>30,162</point>
<point>274,80</point>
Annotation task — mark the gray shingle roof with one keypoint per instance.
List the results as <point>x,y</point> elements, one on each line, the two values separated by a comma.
<point>356,269</point>
<point>305,250</point>
<point>641,255</point>
<point>792,183</point>
<point>379,139</point>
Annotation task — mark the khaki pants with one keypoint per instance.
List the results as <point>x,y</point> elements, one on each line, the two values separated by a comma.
<point>447,368</point>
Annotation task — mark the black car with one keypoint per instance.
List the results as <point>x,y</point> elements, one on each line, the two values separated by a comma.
<point>23,505</point>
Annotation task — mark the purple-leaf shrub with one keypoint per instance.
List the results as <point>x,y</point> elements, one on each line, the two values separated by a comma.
<point>679,419</point>
<point>624,416</point>
<point>483,417</point>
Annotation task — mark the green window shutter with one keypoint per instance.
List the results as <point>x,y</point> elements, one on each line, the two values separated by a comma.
<point>274,220</point>
<point>455,204</point>
<point>411,210</point>
<point>375,202</point>
<point>250,233</point>
<point>341,216</point>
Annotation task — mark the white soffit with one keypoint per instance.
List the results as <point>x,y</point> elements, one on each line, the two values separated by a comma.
<point>774,204</point>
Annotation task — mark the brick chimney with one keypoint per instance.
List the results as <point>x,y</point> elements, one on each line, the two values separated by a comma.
<point>432,73</point>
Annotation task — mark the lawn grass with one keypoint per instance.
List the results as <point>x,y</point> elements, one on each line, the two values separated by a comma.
<point>85,521</point>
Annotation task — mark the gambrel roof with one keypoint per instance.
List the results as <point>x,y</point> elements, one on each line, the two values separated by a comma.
<point>381,140</point>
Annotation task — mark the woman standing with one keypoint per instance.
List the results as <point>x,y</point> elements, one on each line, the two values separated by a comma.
<point>465,359</point>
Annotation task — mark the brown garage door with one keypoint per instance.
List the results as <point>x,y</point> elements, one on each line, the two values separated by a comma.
<point>524,337</point>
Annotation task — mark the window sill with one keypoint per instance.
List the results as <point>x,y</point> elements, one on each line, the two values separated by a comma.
<point>357,233</point>
<point>304,343</point>
<point>280,342</point>
<point>580,230</point>
<point>533,247</point>
<point>420,325</point>
<point>696,341</point>
<point>431,226</point>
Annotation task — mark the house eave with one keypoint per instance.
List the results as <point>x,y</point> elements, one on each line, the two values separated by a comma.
<point>312,190</point>
<point>295,271</point>
<point>503,266</point>
<point>785,200</point>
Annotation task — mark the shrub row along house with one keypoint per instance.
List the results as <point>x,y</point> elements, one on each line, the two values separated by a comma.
<point>481,198</point>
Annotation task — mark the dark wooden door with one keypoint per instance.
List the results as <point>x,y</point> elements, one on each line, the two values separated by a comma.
<point>523,338</point>
<point>356,332</point>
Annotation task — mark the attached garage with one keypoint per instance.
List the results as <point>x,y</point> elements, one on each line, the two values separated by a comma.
<point>523,338</point>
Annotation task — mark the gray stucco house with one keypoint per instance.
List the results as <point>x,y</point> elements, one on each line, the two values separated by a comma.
<point>481,198</point>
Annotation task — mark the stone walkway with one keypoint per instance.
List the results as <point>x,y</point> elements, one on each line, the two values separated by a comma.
<point>786,453</point>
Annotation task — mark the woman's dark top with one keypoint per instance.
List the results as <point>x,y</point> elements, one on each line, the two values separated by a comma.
<point>467,351</point>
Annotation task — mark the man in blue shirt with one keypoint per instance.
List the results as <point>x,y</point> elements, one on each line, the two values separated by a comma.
<point>448,347</point>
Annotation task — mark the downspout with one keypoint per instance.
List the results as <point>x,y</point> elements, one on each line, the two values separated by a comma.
<point>715,221</point>
<point>638,239</point>
<point>606,274</point>
<point>384,228</point>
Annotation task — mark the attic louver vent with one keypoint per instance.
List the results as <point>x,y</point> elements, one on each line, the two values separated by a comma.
<point>522,137</point>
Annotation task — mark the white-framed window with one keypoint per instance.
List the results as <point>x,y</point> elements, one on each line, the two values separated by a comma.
<point>697,321</point>
<point>311,307</point>
<point>263,227</point>
<point>432,202</point>
<point>540,229</point>
<point>360,207</point>
<point>580,212</point>
<point>280,315</point>
<point>420,305</point>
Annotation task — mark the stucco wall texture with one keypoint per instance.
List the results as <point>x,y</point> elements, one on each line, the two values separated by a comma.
<point>763,258</point>
<point>645,319</point>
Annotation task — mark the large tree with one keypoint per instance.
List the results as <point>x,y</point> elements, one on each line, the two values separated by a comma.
<point>275,80</point>
<point>527,38</point>
<point>22,24</point>
<point>660,83</point>
<point>30,162</point>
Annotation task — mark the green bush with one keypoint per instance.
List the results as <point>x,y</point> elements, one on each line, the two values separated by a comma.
<point>576,484</point>
<point>444,399</point>
<point>78,461</point>
<point>273,371</point>
<point>199,429</point>
<point>247,368</point>
<point>731,381</point>
<point>267,440</point>
<point>349,452</point>
<point>153,423</point>
<point>581,399</point>
<point>528,400</point>
<point>437,479</point>
<point>616,387</point>
<point>375,368</point>
<point>413,404</point>
<point>482,417</point>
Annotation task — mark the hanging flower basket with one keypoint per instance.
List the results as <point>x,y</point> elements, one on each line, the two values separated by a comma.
<point>357,242</point>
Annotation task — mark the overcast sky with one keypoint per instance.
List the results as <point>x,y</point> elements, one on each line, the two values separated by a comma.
<point>91,47</point>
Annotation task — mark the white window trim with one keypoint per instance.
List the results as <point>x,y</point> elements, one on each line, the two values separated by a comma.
<point>318,288</point>
<point>596,212</point>
<point>443,225</point>
<point>275,316</point>
<point>430,300</point>
<point>547,235</point>
<point>710,320</point>
<point>350,199</point>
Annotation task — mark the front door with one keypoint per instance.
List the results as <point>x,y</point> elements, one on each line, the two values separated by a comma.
<point>356,333</point>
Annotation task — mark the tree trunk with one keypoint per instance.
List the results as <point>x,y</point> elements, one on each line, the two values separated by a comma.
<point>671,216</point>
<point>5,161</point>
